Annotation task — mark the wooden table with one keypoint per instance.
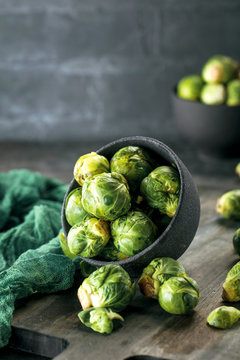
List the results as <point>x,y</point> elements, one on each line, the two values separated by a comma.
<point>49,324</point>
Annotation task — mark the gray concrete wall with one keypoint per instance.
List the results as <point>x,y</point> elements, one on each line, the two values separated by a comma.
<point>103,68</point>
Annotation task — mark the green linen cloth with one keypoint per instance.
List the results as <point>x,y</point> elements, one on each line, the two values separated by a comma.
<point>31,258</point>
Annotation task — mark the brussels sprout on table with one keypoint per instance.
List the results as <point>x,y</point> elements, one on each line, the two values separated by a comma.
<point>179,295</point>
<point>89,237</point>
<point>133,232</point>
<point>109,286</point>
<point>111,253</point>
<point>228,205</point>
<point>189,87</point>
<point>213,94</point>
<point>236,241</point>
<point>99,319</point>
<point>233,93</point>
<point>74,211</point>
<point>65,247</point>
<point>89,165</point>
<point>231,286</point>
<point>238,169</point>
<point>161,189</point>
<point>133,163</point>
<point>223,317</point>
<point>219,69</point>
<point>106,196</point>
<point>156,273</point>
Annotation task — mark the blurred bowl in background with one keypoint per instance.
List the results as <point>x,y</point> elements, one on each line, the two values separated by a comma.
<point>179,233</point>
<point>214,130</point>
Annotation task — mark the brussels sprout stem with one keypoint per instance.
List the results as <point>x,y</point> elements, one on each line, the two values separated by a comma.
<point>84,298</point>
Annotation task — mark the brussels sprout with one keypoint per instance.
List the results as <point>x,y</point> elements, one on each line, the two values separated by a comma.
<point>233,93</point>
<point>133,163</point>
<point>64,246</point>
<point>108,286</point>
<point>179,295</point>
<point>236,241</point>
<point>99,319</point>
<point>156,273</point>
<point>74,211</point>
<point>228,205</point>
<point>111,253</point>
<point>223,317</point>
<point>189,87</point>
<point>133,232</point>
<point>219,69</point>
<point>213,94</point>
<point>86,268</point>
<point>238,169</point>
<point>106,196</point>
<point>161,189</point>
<point>89,237</point>
<point>90,165</point>
<point>231,286</point>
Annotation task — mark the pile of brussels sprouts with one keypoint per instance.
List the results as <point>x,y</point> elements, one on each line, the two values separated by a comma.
<point>109,290</point>
<point>218,83</point>
<point>119,207</point>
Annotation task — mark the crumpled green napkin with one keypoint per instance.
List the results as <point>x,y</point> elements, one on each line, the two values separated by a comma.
<point>30,207</point>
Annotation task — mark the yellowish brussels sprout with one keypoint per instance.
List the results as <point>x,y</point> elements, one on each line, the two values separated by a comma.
<point>189,87</point>
<point>156,273</point>
<point>109,286</point>
<point>161,189</point>
<point>213,94</point>
<point>74,211</point>
<point>89,165</point>
<point>228,205</point>
<point>133,232</point>
<point>231,286</point>
<point>233,92</point>
<point>106,196</point>
<point>179,295</point>
<point>134,163</point>
<point>89,237</point>
<point>99,319</point>
<point>238,169</point>
<point>223,317</point>
<point>219,69</point>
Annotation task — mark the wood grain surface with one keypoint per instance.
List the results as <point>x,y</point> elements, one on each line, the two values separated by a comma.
<point>49,324</point>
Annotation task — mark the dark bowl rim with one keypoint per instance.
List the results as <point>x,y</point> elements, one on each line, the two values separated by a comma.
<point>224,105</point>
<point>175,159</point>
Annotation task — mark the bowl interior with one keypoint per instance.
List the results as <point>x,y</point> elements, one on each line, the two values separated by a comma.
<point>163,155</point>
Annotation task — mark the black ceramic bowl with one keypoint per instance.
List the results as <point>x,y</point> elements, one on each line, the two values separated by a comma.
<point>214,130</point>
<point>180,232</point>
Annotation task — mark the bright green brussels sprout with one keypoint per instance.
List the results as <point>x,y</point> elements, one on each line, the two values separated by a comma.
<point>90,165</point>
<point>238,169</point>
<point>133,232</point>
<point>233,93</point>
<point>189,87</point>
<point>89,237</point>
<point>156,273</point>
<point>64,246</point>
<point>106,196</point>
<point>161,189</point>
<point>231,286</point>
<point>74,211</point>
<point>179,295</point>
<point>86,268</point>
<point>236,241</point>
<point>228,205</point>
<point>109,286</point>
<point>99,319</point>
<point>133,163</point>
<point>219,69</point>
<point>223,317</point>
<point>213,94</point>
<point>110,252</point>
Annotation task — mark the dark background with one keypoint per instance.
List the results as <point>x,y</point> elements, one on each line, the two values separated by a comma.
<point>101,69</point>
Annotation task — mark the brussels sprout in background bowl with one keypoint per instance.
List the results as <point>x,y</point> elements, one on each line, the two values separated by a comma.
<point>179,233</point>
<point>208,112</point>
